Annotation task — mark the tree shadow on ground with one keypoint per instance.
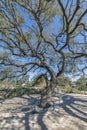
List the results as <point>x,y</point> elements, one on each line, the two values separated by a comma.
<point>40,114</point>
<point>28,111</point>
<point>76,107</point>
<point>40,119</point>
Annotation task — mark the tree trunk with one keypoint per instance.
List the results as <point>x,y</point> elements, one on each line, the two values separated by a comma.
<point>45,101</point>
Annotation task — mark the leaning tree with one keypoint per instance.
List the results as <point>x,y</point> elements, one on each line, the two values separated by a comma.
<point>45,37</point>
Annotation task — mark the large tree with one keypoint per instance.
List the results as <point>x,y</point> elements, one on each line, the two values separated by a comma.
<point>43,36</point>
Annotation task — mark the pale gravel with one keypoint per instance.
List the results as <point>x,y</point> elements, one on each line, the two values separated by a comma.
<point>18,113</point>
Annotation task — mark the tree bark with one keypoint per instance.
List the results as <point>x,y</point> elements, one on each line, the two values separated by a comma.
<point>46,94</point>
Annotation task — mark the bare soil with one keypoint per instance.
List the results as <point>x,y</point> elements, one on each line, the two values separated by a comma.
<point>23,113</point>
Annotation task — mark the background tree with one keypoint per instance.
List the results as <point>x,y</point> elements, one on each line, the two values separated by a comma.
<point>46,37</point>
<point>81,83</point>
<point>64,82</point>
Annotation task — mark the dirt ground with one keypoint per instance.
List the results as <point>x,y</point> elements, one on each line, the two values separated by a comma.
<point>22,113</point>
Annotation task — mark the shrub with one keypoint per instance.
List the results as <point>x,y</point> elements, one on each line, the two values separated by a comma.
<point>68,90</point>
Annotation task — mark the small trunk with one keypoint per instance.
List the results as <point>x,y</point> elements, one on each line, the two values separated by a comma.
<point>46,96</point>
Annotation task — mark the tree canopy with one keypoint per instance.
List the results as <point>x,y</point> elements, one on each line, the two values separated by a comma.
<point>42,36</point>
